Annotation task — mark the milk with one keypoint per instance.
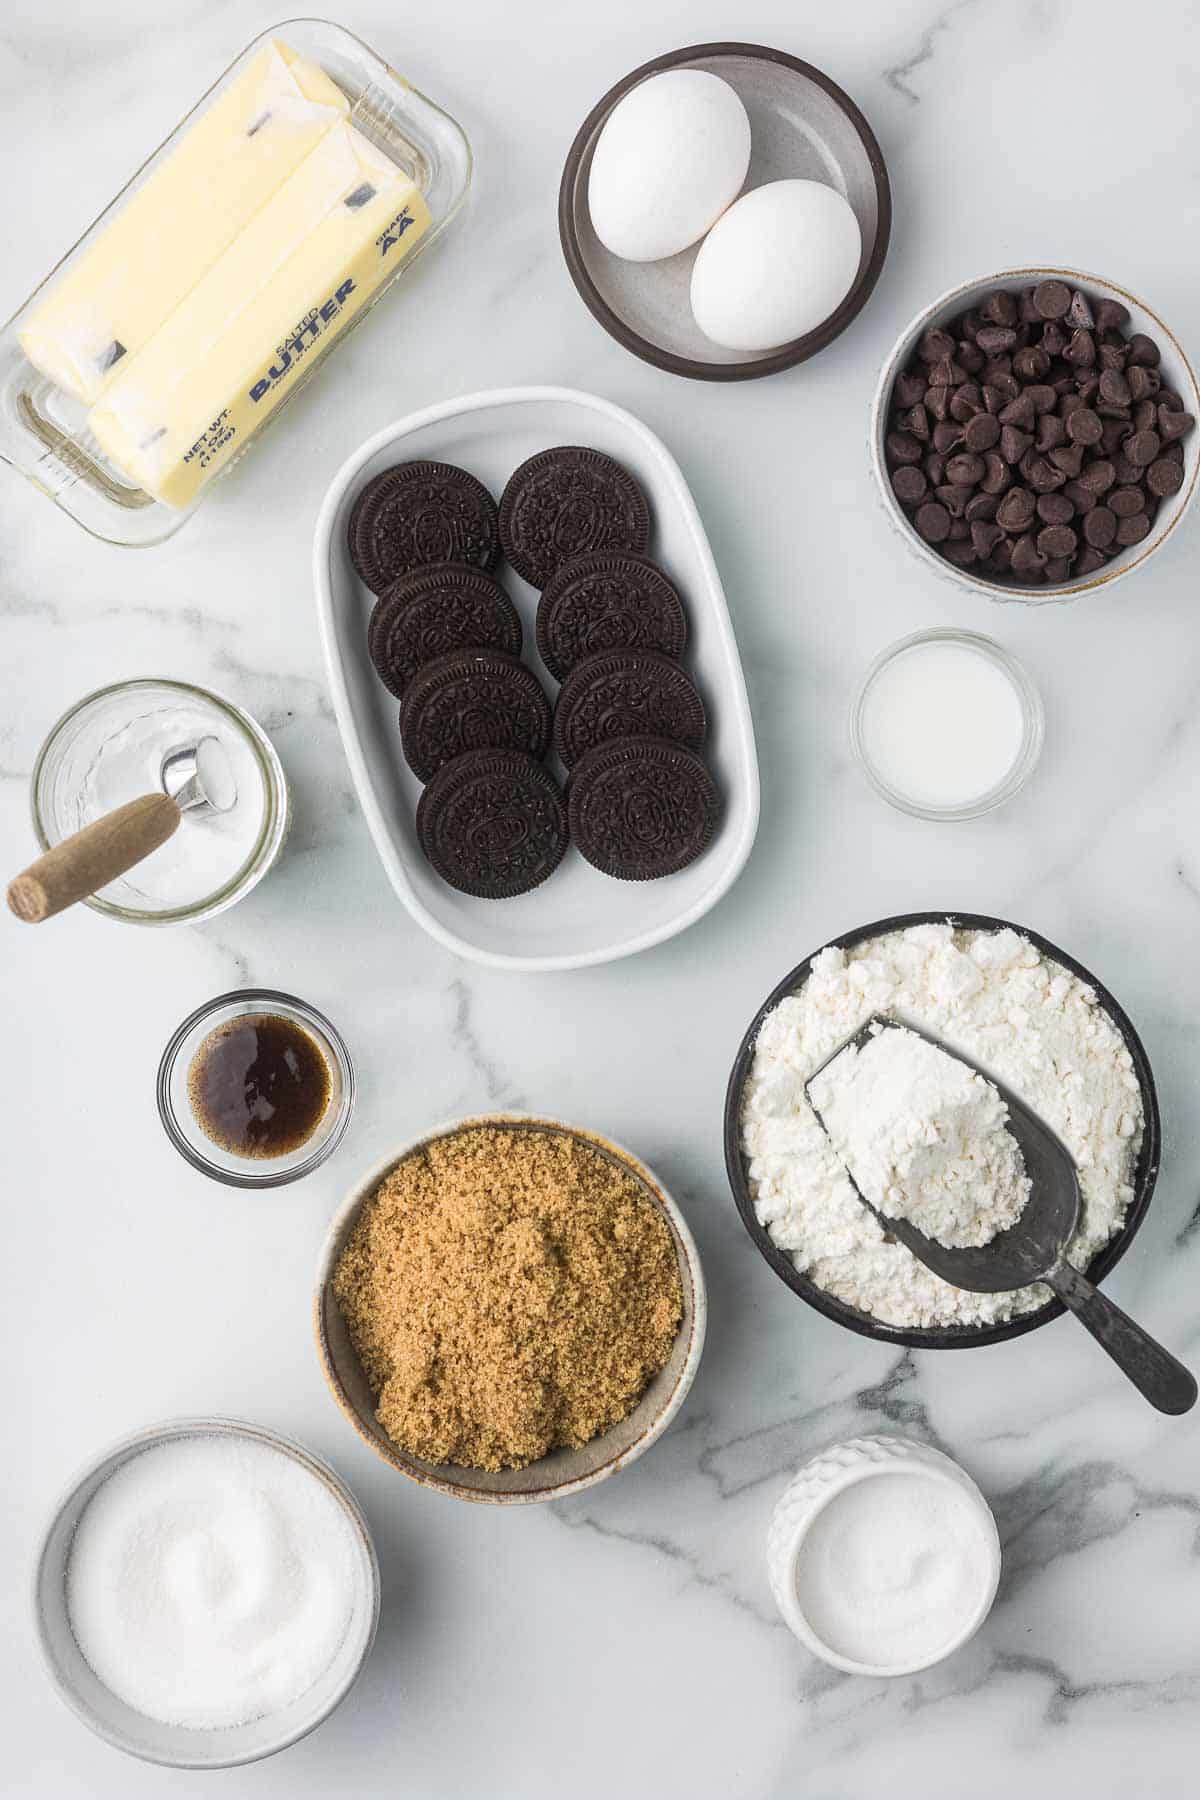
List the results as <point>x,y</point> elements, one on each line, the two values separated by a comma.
<point>942,724</point>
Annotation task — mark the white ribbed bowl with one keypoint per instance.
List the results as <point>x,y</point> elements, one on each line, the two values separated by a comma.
<point>830,1473</point>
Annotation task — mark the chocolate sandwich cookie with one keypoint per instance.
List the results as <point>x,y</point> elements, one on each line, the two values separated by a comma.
<point>642,807</point>
<point>622,694</point>
<point>434,611</point>
<point>493,823</point>
<point>472,700</point>
<point>419,513</point>
<point>569,502</point>
<point>608,602</point>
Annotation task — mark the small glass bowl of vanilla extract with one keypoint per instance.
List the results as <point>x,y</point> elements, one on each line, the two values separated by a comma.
<point>255,1088</point>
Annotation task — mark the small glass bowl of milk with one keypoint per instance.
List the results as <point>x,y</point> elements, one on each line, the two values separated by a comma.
<point>947,724</point>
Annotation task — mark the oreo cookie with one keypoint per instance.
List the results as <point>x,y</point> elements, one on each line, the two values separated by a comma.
<point>434,611</point>
<point>472,700</point>
<point>569,502</point>
<point>611,601</point>
<point>626,693</point>
<point>493,823</point>
<point>419,513</point>
<point>641,808</point>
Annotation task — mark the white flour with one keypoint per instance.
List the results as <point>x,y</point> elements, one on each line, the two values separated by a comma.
<point>925,1137</point>
<point>991,996</point>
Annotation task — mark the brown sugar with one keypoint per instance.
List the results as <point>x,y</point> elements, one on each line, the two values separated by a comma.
<point>508,1291</point>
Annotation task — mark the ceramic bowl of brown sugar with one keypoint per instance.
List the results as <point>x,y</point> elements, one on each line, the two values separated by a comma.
<point>605,1212</point>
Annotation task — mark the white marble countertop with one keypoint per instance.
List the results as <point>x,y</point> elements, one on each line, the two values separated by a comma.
<point>625,1640</point>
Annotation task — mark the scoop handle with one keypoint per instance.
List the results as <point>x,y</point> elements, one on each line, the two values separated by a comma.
<point>82,864</point>
<point>1165,1382</point>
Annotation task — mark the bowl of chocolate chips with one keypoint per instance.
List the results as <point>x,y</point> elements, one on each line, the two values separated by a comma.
<point>1034,434</point>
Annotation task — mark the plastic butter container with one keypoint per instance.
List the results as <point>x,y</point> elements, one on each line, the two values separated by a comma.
<point>272,219</point>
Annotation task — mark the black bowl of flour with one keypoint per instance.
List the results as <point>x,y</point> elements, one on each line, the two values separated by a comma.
<point>952,1337</point>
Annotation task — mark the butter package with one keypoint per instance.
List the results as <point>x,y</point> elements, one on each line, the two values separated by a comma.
<point>254,238</point>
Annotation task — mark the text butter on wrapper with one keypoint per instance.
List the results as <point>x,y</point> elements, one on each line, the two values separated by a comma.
<point>291,281</point>
<point>162,239</point>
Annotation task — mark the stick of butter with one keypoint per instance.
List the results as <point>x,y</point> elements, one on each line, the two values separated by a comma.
<point>226,166</point>
<point>284,289</point>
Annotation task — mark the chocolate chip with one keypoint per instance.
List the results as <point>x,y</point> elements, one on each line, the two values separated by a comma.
<point>993,398</point>
<point>1143,350</point>
<point>910,389</point>
<point>1042,475</point>
<point>1031,362</point>
<point>1081,498</point>
<point>996,339</point>
<point>1054,340</point>
<point>946,373</point>
<point>1098,477</point>
<point>1084,426</point>
<point>997,475</point>
<point>1112,356</point>
<point>1079,313</point>
<point>1089,561</point>
<point>1051,299</point>
<point>1051,432</point>
<point>1026,557</point>
<point>965,469</point>
<point>1145,416</point>
<point>960,531</point>
<point>954,496</point>
<point>1019,412</point>
<point>1056,570</point>
<point>934,345</point>
<point>937,401</point>
<point>1125,501</point>
<point>1000,308</point>
<point>908,484</point>
<point>946,434</point>
<point>1068,458</point>
<point>961,554</point>
<point>1043,397</point>
<point>1163,478</point>
<point>1016,510</point>
<point>1100,527</point>
<point>1111,315</point>
<point>1057,540</point>
<point>1114,434</point>
<point>1142,448</point>
<point>1173,424</point>
<point>981,433</point>
<point>965,401</point>
<point>935,467</point>
<point>1027,307</point>
<point>999,375</point>
<point>1133,529</point>
<point>915,421</point>
<point>1014,443</point>
<point>985,536</point>
<point>1081,350</point>
<point>971,359</point>
<point>982,506</point>
<point>1114,388</point>
<point>933,522</point>
<point>1143,383</point>
<point>1055,509</point>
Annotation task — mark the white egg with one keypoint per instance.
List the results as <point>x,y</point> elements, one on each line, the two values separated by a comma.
<point>672,155</point>
<point>775,265</point>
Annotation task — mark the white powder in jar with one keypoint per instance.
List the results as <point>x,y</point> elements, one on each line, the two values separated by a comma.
<point>894,1569</point>
<point>990,995</point>
<point>211,1580</point>
<point>925,1137</point>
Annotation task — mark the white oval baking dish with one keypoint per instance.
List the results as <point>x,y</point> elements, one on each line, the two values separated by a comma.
<point>579,916</point>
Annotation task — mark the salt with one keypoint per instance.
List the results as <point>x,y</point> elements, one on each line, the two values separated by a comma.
<point>211,1581</point>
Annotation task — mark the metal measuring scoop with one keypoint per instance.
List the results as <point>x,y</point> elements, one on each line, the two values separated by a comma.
<point>195,778</point>
<point>1035,1247</point>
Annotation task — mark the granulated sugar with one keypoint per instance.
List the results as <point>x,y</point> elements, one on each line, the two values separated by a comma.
<point>210,1581</point>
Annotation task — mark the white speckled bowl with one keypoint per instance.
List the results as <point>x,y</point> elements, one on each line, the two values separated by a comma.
<point>179,1746</point>
<point>562,1472</point>
<point>829,1474</point>
<point>1176,369</point>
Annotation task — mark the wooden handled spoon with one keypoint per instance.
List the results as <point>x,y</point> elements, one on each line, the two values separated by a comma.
<point>196,779</point>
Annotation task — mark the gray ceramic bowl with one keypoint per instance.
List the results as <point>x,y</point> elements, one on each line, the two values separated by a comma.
<point>563,1472</point>
<point>178,1746</point>
<point>802,125</point>
<point>1176,369</point>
